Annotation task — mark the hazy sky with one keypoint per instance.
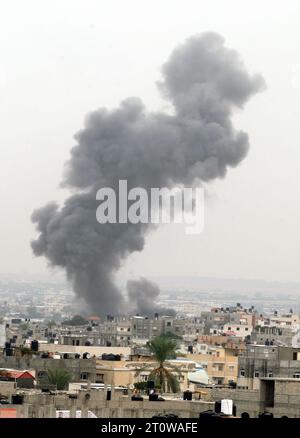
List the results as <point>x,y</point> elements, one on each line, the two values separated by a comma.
<point>62,59</point>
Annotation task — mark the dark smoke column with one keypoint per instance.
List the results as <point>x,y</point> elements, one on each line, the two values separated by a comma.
<point>205,82</point>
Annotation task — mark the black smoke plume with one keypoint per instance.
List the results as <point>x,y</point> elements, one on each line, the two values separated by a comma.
<point>143,295</point>
<point>204,82</point>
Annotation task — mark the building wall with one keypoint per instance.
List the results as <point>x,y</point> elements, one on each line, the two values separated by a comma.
<point>41,405</point>
<point>234,344</point>
<point>284,402</point>
<point>240,330</point>
<point>221,368</point>
<point>266,361</point>
<point>97,351</point>
<point>118,373</point>
<point>245,400</point>
<point>25,382</point>
<point>7,388</point>
<point>275,338</point>
<point>77,367</point>
<point>287,399</point>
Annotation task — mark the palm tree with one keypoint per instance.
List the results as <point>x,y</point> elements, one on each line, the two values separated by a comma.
<point>164,377</point>
<point>59,377</point>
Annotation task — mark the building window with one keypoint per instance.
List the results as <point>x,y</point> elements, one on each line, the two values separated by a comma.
<point>270,374</point>
<point>296,375</point>
<point>256,374</point>
<point>84,376</point>
<point>99,378</point>
<point>242,373</point>
<point>246,329</point>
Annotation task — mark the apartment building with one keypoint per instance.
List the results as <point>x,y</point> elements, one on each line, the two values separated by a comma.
<point>267,361</point>
<point>220,365</point>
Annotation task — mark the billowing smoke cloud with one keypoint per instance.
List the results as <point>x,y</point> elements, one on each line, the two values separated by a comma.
<point>204,81</point>
<point>143,294</point>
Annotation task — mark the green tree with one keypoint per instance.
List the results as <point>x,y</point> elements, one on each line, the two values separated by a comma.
<point>59,377</point>
<point>165,376</point>
<point>171,335</point>
<point>141,386</point>
<point>26,351</point>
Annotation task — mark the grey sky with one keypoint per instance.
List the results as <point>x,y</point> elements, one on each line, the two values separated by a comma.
<point>62,59</point>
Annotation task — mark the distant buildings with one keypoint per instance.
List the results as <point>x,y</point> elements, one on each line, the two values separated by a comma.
<point>225,352</point>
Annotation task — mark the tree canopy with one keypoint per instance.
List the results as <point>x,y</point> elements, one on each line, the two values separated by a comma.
<point>59,377</point>
<point>164,375</point>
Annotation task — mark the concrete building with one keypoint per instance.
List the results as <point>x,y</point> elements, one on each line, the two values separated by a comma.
<point>93,350</point>
<point>240,330</point>
<point>290,320</point>
<point>267,361</point>
<point>34,404</point>
<point>233,345</point>
<point>80,369</point>
<point>120,372</point>
<point>279,396</point>
<point>221,366</point>
<point>235,321</point>
<point>272,335</point>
